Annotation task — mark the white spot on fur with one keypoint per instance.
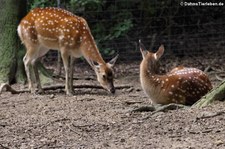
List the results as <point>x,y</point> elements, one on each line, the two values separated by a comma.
<point>171,93</point>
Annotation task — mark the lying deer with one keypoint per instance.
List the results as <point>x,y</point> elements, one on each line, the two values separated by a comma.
<point>54,28</point>
<point>181,85</point>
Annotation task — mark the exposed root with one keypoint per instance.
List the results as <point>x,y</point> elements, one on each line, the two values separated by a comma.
<point>156,109</point>
<point>8,88</point>
<point>74,78</point>
<point>172,106</point>
<point>217,93</point>
<point>144,109</point>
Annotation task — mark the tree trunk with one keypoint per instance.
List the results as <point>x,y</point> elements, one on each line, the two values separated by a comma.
<point>11,12</point>
<point>218,93</point>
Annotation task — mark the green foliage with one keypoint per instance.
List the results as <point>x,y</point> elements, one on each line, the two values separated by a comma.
<point>98,13</point>
<point>119,29</point>
<point>41,3</point>
<point>83,5</point>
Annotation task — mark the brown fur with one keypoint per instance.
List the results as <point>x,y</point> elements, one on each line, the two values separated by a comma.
<point>180,85</point>
<point>43,29</point>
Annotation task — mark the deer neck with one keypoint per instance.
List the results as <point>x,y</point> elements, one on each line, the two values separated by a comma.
<point>89,49</point>
<point>151,81</point>
<point>148,70</point>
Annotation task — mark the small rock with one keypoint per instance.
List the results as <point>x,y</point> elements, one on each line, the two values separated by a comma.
<point>105,144</point>
<point>219,142</point>
<point>130,89</point>
<point>138,90</point>
<point>122,140</point>
<point>52,96</point>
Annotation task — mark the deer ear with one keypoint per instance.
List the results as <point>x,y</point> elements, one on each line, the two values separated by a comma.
<point>112,62</point>
<point>160,52</point>
<point>94,65</point>
<point>143,50</point>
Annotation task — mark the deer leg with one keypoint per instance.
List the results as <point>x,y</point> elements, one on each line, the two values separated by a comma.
<point>41,51</point>
<point>71,73</point>
<point>37,78</point>
<point>27,62</point>
<point>65,58</point>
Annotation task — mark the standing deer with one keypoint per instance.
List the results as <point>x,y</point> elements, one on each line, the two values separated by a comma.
<point>43,29</point>
<point>181,85</point>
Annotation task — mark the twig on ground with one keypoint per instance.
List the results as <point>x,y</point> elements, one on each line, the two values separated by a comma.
<point>74,78</point>
<point>219,78</point>
<point>211,115</point>
<point>82,126</point>
<point>54,121</point>
<point>4,147</point>
<point>207,69</point>
<point>3,125</point>
<point>132,102</point>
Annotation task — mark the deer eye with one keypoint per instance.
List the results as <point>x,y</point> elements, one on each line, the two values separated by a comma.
<point>104,76</point>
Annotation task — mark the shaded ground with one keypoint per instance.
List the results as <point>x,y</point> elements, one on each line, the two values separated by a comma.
<point>95,119</point>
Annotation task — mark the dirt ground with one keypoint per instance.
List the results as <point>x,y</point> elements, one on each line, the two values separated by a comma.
<point>93,118</point>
